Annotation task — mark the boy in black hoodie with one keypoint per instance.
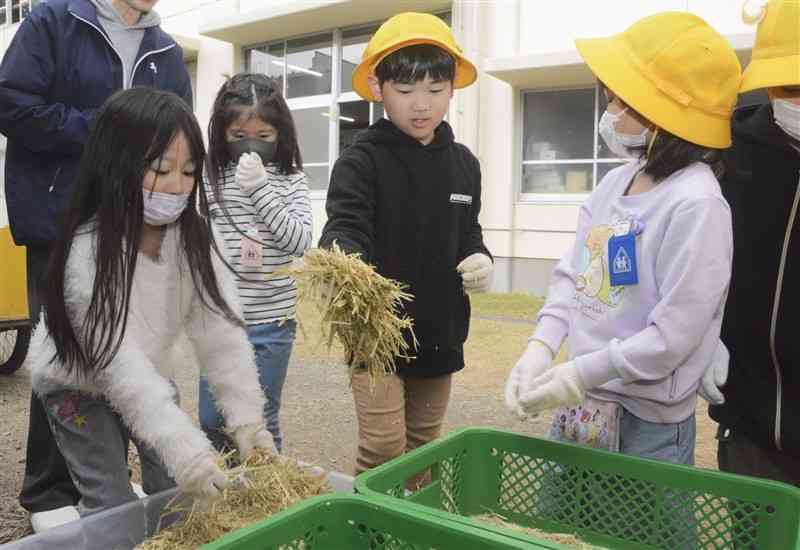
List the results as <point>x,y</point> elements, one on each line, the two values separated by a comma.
<point>406,197</point>
<point>758,423</point>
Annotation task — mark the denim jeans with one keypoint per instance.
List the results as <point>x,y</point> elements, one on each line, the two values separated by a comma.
<point>556,499</point>
<point>47,484</point>
<point>93,440</point>
<point>670,442</point>
<point>273,347</point>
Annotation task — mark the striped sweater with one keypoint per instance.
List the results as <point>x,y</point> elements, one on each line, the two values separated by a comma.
<point>279,209</point>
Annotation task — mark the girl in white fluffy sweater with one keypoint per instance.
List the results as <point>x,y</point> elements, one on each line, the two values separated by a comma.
<point>133,267</point>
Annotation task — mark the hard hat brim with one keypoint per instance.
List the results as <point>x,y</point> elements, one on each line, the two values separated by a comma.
<point>465,75</point>
<point>611,62</point>
<point>771,72</point>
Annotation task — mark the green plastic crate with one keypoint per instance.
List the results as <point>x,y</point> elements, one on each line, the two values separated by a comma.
<point>608,499</point>
<point>352,522</point>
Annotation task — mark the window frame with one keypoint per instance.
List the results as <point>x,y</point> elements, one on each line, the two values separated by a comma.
<point>558,198</point>
<point>332,100</point>
<point>9,6</point>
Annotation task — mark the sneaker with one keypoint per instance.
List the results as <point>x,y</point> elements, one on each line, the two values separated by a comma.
<point>42,521</point>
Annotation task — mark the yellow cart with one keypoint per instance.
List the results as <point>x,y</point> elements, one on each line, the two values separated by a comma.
<point>15,318</point>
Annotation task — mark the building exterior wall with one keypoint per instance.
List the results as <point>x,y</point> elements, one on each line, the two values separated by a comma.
<point>527,229</point>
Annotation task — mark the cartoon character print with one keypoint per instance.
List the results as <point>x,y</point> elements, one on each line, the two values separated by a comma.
<point>594,292</point>
<point>596,424</point>
<point>559,426</point>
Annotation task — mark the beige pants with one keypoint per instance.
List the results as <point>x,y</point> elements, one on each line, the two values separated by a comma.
<point>397,415</point>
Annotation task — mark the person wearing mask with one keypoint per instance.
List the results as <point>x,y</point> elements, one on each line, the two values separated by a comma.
<point>758,433</point>
<point>65,60</point>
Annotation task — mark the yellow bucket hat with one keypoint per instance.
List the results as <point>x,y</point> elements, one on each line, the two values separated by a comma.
<point>409,29</point>
<point>673,69</point>
<point>776,54</point>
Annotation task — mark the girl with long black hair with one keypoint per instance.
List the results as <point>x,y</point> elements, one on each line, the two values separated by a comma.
<point>134,265</point>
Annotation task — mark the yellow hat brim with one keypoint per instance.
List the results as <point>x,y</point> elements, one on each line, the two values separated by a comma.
<point>771,72</point>
<point>465,75</point>
<point>609,60</point>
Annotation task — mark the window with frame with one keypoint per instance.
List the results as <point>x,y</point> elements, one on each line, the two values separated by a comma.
<point>315,73</point>
<point>19,9</point>
<point>563,157</point>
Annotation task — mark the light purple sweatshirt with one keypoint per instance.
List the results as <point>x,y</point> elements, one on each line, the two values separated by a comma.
<point>654,340</point>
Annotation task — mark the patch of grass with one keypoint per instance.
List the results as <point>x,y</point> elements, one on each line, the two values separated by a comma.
<point>515,305</point>
<point>493,347</point>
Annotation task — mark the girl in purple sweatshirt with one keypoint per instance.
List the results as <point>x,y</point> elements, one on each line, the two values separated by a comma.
<point>640,296</point>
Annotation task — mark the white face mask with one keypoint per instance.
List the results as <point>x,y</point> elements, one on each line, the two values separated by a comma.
<point>163,208</point>
<point>620,144</point>
<point>787,116</point>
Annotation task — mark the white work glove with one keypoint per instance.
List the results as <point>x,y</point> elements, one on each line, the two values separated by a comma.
<point>536,359</point>
<point>202,478</point>
<point>251,437</point>
<point>476,272</point>
<point>250,171</point>
<point>715,376</point>
<point>561,385</point>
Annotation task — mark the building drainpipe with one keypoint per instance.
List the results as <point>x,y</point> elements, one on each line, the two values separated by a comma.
<point>514,187</point>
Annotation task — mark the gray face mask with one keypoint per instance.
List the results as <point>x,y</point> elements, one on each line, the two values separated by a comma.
<point>265,149</point>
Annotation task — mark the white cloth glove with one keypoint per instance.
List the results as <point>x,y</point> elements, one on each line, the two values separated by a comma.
<point>202,478</point>
<point>536,359</point>
<point>250,171</point>
<point>715,376</point>
<point>476,272</point>
<point>251,437</point>
<point>561,385</point>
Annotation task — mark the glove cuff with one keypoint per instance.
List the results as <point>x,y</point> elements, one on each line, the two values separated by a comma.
<point>180,474</point>
<point>551,332</point>
<point>596,368</point>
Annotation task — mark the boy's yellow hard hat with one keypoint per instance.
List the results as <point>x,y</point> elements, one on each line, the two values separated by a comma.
<point>776,54</point>
<point>409,29</point>
<point>673,69</point>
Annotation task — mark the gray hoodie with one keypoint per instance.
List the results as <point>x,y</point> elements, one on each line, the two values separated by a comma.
<point>126,39</point>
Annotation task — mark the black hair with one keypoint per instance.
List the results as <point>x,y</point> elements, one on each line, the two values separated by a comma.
<point>413,63</point>
<point>669,154</point>
<point>132,130</point>
<point>260,95</point>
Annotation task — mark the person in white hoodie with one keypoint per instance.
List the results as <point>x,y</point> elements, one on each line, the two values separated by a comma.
<point>65,59</point>
<point>134,265</point>
<point>641,295</point>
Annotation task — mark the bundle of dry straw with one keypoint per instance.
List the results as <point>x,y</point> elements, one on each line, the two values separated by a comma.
<point>260,487</point>
<point>359,307</point>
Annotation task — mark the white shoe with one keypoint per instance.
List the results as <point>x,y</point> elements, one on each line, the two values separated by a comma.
<point>42,521</point>
<point>138,490</point>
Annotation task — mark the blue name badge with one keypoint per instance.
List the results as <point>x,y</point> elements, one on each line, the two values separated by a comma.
<point>622,260</point>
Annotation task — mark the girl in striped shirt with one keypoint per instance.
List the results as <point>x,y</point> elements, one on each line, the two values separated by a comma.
<point>259,201</point>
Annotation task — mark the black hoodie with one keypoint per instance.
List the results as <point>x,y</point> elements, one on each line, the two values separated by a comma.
<point>762,316</point>
<point>411,210</point>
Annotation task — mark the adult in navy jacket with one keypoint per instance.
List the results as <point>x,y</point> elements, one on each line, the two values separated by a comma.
<point>66,59</point>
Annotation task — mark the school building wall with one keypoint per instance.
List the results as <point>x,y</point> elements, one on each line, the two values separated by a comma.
<point>531,117</point>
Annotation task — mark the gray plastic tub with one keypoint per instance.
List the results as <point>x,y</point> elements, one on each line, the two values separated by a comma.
<point>123,527</point>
